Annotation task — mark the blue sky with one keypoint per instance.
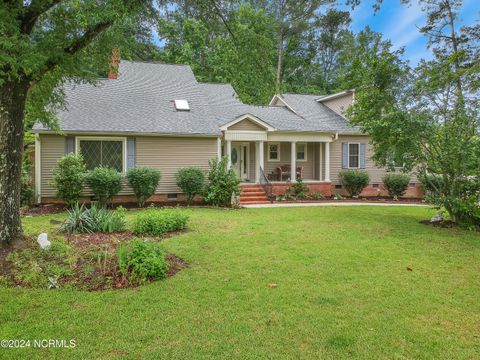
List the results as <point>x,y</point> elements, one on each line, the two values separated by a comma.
<point>400,23</point>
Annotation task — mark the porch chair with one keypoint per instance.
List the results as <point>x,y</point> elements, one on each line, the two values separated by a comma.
<point>285,170</point>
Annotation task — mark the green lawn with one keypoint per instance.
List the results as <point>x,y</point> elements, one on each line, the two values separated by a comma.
<point>343,291</point>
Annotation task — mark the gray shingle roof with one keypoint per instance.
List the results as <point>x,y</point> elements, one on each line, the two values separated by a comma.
<point>309,108</point>
<point>141,99</point>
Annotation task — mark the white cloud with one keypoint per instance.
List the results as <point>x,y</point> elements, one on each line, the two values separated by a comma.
<point>403,29</point>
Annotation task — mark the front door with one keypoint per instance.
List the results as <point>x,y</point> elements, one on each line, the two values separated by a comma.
<point>240,160</point>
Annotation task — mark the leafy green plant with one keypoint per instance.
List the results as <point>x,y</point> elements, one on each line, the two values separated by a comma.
<point>144,182</point>
<point>396,184</point>
<point>26,191</point>
<point>354,181</point>
<point>298,189</point>
<point>83,220</point>
<point>69,177</point>
<point>159,222</point>
<point>191,180</point>
<point>337,197</point>
<point>38,268</point>
<point>140,261</point>
<point>316,196</point>
<point>105,183</point>
<point>221,184</point>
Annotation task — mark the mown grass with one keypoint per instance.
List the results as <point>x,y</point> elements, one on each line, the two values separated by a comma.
<point>343,290</point>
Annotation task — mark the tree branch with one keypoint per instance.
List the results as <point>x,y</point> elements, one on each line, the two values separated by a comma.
<point>33,12</point>
<point>79,44</point>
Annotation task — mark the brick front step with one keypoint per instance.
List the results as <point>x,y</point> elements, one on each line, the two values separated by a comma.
<point>255,202</point>
<point>253,194</point>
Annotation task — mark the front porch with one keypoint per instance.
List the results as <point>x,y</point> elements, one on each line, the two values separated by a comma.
<point>257,161</point>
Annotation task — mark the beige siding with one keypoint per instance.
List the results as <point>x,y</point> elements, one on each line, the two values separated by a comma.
<point>52,149</point>
<point>246,125</point>
<point>375,173</point>
<point>340,104</point>
<point>168,154</point>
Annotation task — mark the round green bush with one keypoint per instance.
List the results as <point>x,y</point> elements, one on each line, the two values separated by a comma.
<point>140,261</point>
<point>105,183</point>
<point>396,184</point>
<point>144,182</point>
<point>68,178</point>
<point>191,180</point>
<point>354,181</point>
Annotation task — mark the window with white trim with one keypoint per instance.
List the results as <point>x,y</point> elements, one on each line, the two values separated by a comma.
<point>107,153</point>
<point>274,152</point>
<point>301,152</point>
<point>353,155</point>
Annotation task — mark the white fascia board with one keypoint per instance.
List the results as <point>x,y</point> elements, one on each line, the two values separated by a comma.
<point>248,117</point>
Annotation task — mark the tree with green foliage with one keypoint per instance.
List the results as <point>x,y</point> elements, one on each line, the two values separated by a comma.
<point>44,43</point>
<point>427,119</point>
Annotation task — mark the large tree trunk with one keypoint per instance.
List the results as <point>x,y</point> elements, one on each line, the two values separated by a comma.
<point>278,76</point>
<point>12,110</point>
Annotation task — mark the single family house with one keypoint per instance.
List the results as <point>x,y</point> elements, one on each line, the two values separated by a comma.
<point>158,115</point>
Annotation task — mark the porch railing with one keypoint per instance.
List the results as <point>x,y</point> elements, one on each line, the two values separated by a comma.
<point>266,184</point>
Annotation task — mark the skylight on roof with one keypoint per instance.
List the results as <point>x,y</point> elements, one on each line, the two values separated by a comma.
<point>182,105</point>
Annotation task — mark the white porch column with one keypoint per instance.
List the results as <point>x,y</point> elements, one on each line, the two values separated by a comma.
<point>327,161</point>
<point>320,162</point>
<point>219,149</point>
<point>229,154</point>
<point>293,171</point>
<point>261,156</point>
<point>257,162</point>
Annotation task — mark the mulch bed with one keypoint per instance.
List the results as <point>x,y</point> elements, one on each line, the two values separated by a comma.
<point>89,274</point>
<point>440,224</point>
<point>42,210</point>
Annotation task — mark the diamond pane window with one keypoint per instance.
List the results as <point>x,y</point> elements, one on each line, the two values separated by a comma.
<point>102,153</point>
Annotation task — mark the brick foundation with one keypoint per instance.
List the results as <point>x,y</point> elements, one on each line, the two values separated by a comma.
<point>413,192</point>
<point>123,199</point>
<point>327,189</point>
<point>324,188</point>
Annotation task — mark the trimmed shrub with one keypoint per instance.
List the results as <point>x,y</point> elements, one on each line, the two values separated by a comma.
<point>140,261</point>
<point>191,180</point>
<point>159,222</point>
<point>83,220</point>
<point>105,183</point>
<point>69,177</point>
<point>144,182</point>
<point>222,183</point>
<point>396,184</point>
<point>354,181</point>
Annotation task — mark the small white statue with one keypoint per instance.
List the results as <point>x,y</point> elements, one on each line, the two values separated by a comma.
<point>43,241</point>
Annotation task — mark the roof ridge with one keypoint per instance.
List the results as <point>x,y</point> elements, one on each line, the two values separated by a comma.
<point>158,62</point>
